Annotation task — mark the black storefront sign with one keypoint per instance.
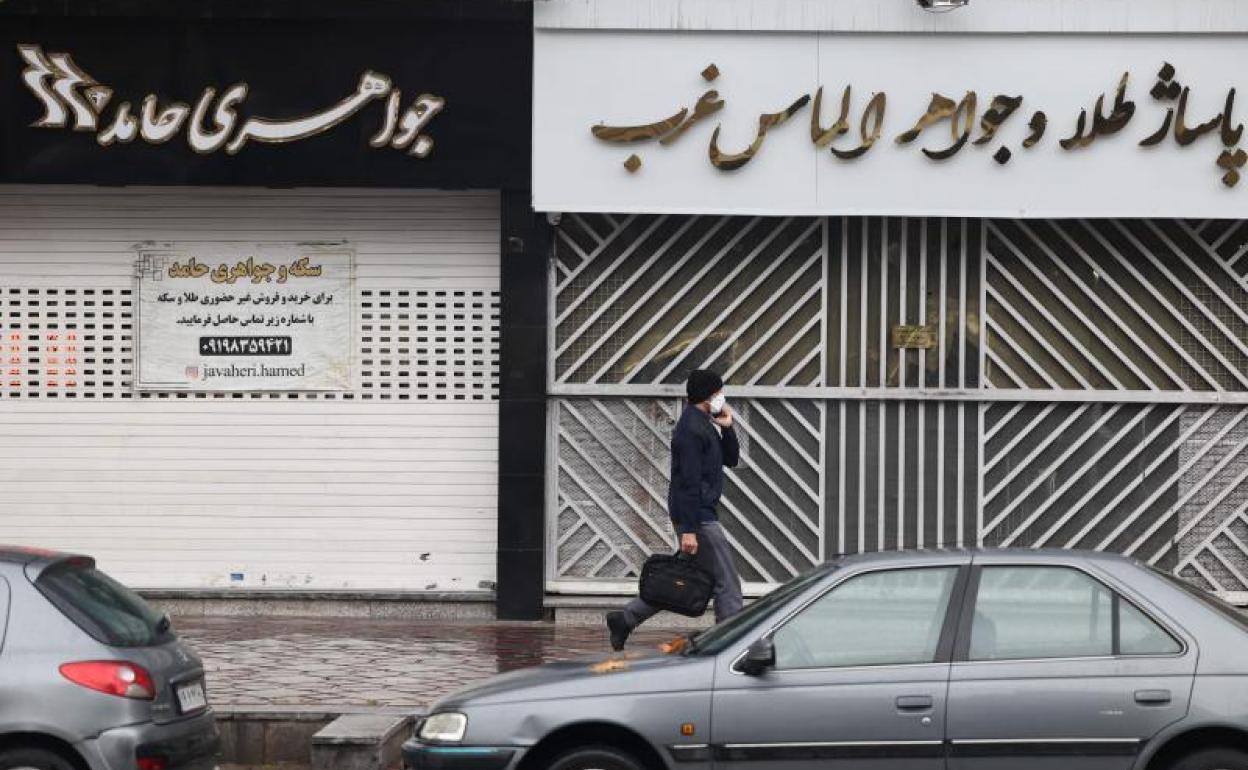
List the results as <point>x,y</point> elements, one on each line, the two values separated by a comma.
<point>415,103</point>
<point>468,62</point>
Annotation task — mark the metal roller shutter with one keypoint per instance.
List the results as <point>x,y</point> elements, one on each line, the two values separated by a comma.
<point>1082,384</point>
<point>389,486</point>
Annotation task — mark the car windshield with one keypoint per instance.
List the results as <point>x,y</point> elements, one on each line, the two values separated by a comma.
<point>718,638</point>
<point>1229,611</point>
<point>102,607</point>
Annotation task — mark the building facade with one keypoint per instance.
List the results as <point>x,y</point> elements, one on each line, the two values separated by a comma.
<point>274,320</point>
<point>974,278</point>
<point>251,263</point>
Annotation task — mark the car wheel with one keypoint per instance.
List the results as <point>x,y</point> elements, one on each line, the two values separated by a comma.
<point>595,758</point>
<point>1213,759</point>
<point>33,759</point>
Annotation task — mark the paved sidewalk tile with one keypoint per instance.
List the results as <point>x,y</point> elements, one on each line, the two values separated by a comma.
<point>282,662</point>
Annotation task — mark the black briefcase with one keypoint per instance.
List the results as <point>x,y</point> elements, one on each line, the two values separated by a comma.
<point>676,583</point>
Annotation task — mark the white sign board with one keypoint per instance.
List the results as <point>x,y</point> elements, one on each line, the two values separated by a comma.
<point>622,79</point>
<point>264,318</point>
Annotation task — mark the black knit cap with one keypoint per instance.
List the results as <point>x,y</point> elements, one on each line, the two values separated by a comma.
<point>702,384</point>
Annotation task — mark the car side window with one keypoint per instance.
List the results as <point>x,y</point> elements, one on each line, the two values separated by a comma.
<point>1040,612</point>
<point>1034,613</point>
<point>1139,635</point>
<point>883,618</point>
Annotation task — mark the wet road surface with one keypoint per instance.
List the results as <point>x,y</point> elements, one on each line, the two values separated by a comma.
<point>400,663</point>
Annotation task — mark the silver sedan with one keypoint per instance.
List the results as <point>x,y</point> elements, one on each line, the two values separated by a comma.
<point>941,660</point>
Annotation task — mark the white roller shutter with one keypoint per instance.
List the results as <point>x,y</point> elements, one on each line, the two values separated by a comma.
<point>390,486</point>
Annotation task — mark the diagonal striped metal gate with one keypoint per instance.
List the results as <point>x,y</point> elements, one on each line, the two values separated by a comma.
<point>1080,384</point>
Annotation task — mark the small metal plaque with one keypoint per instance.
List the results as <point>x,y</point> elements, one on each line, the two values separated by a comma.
<point>914,337</point>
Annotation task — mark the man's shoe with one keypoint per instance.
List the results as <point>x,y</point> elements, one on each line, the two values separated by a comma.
<point>618,627</point>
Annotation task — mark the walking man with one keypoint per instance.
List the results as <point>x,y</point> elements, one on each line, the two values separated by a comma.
<point>699,454</point>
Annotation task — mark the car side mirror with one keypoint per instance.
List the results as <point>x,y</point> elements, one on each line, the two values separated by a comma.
<point>760,657</point>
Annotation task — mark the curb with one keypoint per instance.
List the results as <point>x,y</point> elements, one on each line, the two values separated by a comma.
<point>283,735</point>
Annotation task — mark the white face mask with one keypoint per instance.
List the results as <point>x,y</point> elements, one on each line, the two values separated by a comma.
<point>717,403</point>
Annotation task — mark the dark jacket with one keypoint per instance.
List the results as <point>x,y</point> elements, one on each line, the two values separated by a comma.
<point>699,454</point>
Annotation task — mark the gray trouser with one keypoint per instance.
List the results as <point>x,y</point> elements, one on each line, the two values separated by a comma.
<point>714,554</point>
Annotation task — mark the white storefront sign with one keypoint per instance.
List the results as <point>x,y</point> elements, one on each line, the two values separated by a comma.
<point>265,318</point>
<point>1016,125</point>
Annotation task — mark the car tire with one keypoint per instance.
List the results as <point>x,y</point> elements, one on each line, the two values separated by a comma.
<point>595,758</point>
<point>1213,759</point>
<point>33,759</point>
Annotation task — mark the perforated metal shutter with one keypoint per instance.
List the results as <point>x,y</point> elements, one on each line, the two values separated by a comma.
<point>389,486</point>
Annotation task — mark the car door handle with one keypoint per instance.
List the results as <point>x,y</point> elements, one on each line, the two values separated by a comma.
<point>1152,697</point>
<point>914,702</point>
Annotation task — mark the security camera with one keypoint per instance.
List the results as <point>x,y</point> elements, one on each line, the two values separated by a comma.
<point>942,6</point>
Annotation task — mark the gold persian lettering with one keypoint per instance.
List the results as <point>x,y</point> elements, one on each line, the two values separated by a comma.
<point>1105,118</point>
<point>733,161</point>
<point>1102,125</point>
<point>823,137</point>
<point>963,116</point>
<point>939,108</point>
<point>1038,124</point>
<point>999,111</point>
<point>708,104</point>
<point>1230,136</point>
<point>1232,163</point>
<point>872,116</point>
<point>643,133</point>
<point>1185,135</point>
<point>192,269</point>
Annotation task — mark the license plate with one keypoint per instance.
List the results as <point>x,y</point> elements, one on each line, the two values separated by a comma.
<point>191,697</point>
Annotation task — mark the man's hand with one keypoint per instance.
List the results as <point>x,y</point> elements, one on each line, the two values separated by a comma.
<point>689,543</point>
<point>724,418</point>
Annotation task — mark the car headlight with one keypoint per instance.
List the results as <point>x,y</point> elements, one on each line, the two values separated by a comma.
<point>447,727</point>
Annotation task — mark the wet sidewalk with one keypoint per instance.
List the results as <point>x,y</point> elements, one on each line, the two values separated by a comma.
<point>407,664</point>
